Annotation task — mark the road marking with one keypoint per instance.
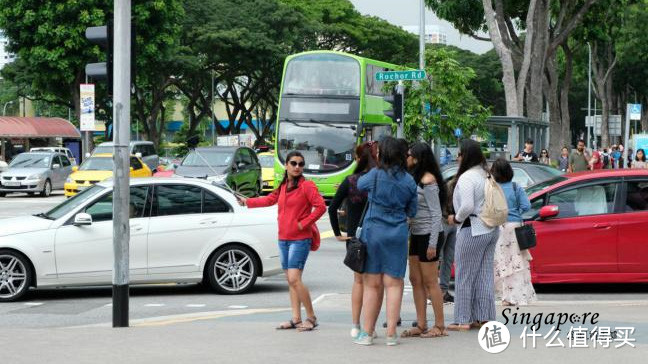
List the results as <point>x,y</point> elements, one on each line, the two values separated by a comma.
<point>154,305</point>
<point>323,296</point>
<point>192,305</point>
<point>541,303</point>
<point>199,316</point>
<point>108,305</point>
<point>327,234</point>
<point>33,304</point>
<point>237,306</point>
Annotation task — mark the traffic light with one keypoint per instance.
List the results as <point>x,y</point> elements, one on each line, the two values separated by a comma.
<point>395,110</point>
<point>102,36</point>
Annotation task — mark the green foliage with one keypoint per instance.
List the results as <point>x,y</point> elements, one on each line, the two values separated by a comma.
<point>452,103</point>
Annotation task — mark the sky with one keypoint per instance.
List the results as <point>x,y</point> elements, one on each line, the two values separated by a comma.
<point>406,12</point>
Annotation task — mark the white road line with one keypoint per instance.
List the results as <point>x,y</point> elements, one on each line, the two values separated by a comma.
<point>33,303</point>
<point>323,296</point>
<point>196,305</point>
<point>108,305</point>
<point>154,305</point>
<point>237,306</point>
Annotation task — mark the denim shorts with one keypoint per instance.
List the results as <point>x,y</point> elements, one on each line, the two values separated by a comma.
<point>294,253</point>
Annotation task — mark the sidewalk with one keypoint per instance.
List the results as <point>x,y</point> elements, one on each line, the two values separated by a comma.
<point>248,336</point>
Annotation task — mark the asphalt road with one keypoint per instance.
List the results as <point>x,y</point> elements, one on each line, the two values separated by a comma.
<point>325,275</point>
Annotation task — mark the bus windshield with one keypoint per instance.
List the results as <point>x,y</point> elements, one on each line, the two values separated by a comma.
<point>326,147</point>
<point>322,74</point>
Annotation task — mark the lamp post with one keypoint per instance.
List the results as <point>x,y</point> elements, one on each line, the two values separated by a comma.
<point>4,109</point>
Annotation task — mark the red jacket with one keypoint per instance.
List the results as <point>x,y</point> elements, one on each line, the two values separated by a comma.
<point>303,204</point>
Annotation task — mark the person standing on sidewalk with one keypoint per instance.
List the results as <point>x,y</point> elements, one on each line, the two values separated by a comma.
<point>578,160</point>
<point>596,162</point>
<point>356,202</point>
<point>474,298</point>
<point>392,199</point>
<point>512,271</point>
<point>426,240</point>
<point>300,206</point>
<point>640,160</point>
<point>544,157</point>
<point>448,250</point>
<point>563,161</point>
<point>527,154</point>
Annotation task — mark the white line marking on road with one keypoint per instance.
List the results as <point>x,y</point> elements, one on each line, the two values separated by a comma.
<point>196,305</point>
<point>33,303</point>
<point>323,296</point>
<point>108,305</point>
<point>154,305</point>
<point>237,306</point>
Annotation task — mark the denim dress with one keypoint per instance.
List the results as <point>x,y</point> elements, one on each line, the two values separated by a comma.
<point>392,199</point>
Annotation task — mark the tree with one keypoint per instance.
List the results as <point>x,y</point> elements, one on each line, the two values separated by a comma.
<point>452,104</point>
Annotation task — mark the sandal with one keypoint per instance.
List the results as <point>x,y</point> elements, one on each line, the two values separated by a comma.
<point>414,332</point>
<point>478,324</point>
<point>289,325</point>
<point>458,327</point>
<point>435,331</point>
<point>309,324</point>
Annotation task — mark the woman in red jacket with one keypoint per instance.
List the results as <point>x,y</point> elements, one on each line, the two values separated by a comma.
<point>300,206</point>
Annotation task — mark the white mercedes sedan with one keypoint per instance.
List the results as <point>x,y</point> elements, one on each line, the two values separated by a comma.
<point>181,230</point>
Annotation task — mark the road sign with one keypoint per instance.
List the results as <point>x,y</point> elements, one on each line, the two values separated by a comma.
<point>635,111</point>
<point>614,124</point>
<point>457,132</point>
<point>400,75</point>
<point>87,100</point>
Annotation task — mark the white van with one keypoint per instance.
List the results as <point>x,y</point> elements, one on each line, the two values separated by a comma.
<point>65,151</point>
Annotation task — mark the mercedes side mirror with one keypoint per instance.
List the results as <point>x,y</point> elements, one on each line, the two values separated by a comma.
<point>82,218</point>
<point>548,212</point>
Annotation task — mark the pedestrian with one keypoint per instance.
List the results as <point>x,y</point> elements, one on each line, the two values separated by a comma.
<point>578,160</point>
<point>621,150</point>
<point>426,239</point>
<point>527,155</point>
<point>596,161</point>
<point>544,157</point>
<point>474,291</point>
<point>448,249</point>
<point>630,157</point>
<point>356,201</point>
<point>300,206</point>
<point>563,161</point>
<point>392,199</point>
<point>640,160</point>
<point>606,158</point>
<point>512,271</point>
<point>616,157</point>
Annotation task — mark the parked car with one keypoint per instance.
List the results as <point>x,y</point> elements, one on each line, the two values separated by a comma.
<point>222,244</point>
<point>65,151</point>
<point>98,168</point>
<point>3,166</point>
<point>524,173</point>
<point>238,167</point>
<point>35,172</point>
<point>590,227</point>
<point>140,148</point>
<point>266,160</point>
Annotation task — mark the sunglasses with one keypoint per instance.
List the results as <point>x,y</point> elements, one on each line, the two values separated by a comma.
<point>295,164</point>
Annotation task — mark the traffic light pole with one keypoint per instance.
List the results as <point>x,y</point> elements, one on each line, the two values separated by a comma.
<point>400,89</point>
<point>121,157</point>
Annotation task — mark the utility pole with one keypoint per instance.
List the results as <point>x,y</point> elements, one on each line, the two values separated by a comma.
<point>211,106</point>
<point>589,98</point>
<point>121,157</point>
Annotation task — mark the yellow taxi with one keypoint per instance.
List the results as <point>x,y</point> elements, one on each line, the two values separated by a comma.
<point>98,168</point>
<point>266,160</point>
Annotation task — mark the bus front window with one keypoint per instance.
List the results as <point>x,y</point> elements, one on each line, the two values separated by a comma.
<point>326,147</point>
<point>322,74</point>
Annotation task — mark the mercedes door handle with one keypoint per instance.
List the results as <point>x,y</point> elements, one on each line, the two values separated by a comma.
<point>602,226</point>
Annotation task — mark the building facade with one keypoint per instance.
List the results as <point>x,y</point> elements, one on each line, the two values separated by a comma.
<point>434,34</point>
<point>5,56</point>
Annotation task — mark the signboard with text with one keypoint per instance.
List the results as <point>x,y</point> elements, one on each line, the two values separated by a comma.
<point>414,75</point>
<point>87,100</point>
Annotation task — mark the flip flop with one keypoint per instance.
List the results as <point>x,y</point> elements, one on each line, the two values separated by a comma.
<point>414,332</point>
<point>288,325</point>
<point>430,333</point>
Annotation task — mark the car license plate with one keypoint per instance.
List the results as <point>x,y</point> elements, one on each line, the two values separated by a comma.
<point>12,183</point>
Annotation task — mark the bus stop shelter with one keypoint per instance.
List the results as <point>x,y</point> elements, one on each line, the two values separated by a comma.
<point>22,130</point>
<point>510,132</point>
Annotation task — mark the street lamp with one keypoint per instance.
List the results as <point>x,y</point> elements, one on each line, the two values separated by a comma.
<point>4,109</point>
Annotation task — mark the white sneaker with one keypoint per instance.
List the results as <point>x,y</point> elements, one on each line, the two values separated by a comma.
<point>355,331</point>
<point>391,340</point>
<point>363,339</point>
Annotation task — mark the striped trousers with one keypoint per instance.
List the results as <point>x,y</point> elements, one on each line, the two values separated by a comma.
<point>474,281</point>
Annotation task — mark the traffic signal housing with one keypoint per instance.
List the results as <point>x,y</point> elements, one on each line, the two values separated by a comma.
<point>395,110</point>
<point>103,37</point>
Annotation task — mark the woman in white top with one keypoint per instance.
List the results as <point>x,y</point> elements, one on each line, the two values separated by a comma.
<point>475,246</point>
<point>640,160</point>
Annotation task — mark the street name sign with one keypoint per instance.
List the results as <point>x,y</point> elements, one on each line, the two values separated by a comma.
<point>414,75</point>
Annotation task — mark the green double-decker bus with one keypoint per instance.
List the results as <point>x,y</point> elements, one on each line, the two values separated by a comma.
<point>329,103</point>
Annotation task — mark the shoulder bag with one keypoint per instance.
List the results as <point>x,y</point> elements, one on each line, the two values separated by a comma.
<point>356,252</point>
<point>525,234</point>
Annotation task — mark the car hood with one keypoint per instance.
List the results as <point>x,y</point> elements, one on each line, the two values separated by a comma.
<point>91,175</point>
<point>23,172</point>
<point>186,171</point>
<point>23,224</point>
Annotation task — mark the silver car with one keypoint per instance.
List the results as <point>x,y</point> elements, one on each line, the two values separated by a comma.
<point>35,172</point>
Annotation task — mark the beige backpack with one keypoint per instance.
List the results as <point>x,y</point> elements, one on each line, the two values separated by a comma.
<point>495,209</point>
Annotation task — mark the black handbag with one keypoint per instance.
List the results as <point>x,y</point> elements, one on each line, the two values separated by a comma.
<point>525,234</point>
<point>356,252</point>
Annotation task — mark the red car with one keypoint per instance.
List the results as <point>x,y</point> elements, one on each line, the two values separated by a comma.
<point>591,227</point>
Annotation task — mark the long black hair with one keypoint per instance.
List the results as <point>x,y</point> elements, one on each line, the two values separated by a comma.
<point>426,163</point>
<point>393,153</point>
<point>295,181</point>
<point>471,156</point>
<point>637,155</point>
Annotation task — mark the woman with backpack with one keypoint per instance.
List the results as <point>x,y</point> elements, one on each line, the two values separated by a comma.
<point>300,206</point>
<point>426,240</point>
<point>475,246</point>
<point>356,202</point>
<point>392,199</point>
<point>512,271</point>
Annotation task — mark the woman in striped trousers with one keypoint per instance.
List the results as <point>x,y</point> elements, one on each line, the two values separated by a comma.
<point>475,246</point>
